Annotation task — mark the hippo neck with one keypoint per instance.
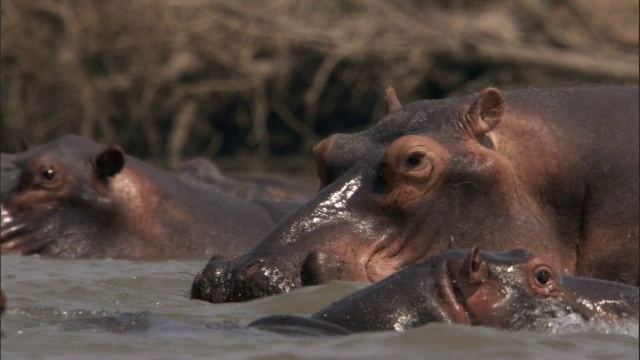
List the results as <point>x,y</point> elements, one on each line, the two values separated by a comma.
<point>148,207</point>
<point>538,162</point>
<point>157,202</point>
<point>545,176</point>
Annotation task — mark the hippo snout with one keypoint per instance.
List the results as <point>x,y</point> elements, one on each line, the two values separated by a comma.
<point>213,282</point>
<point>10,229</point>
<point>263,278</point>
<point>224,281</point>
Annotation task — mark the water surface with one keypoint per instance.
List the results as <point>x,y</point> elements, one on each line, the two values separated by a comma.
<point>97,309</point>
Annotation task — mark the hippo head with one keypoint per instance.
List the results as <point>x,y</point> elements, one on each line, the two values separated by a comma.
<point>512,290</point>
<point>55,196</point>
<point>423,180</point>
<point>517,290</point>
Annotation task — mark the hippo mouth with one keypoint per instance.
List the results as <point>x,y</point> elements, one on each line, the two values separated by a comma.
<point>10,226</point>
<point>14,234</point>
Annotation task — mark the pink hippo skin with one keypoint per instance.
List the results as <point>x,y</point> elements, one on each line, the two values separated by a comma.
<point>552,171</point>
<point>75,198</point>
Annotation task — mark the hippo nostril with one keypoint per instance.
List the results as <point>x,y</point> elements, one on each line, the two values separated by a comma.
<point>212,283</point>
<point>312,268</point>
<point>250,270</point>
<point>263,278</point>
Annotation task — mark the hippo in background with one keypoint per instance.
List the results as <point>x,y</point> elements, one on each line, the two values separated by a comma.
<point>513,290</point>
<point>75,198</point>
<point>553,171</point>
<point>246,186</point>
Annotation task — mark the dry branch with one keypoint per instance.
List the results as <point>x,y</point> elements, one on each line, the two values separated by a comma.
<point>136,74</point>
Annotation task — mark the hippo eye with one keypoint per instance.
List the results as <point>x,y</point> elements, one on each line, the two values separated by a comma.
<point>543,276</point>
<point>415,160</point>
<point>49,174</point>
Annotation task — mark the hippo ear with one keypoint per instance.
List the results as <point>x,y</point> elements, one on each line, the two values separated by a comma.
<point>477,270</point>
<point>321,151</point>
<point>110,161</point>
<point>391,100</point>
<point>485,113</point>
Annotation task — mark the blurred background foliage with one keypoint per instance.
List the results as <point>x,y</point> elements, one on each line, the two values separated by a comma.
<point>256,80</point>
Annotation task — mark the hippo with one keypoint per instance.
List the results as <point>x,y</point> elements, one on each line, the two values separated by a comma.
<point>513,290</point>
<point>247,186</point>
<point>553,171</point>
<point>75,198</point>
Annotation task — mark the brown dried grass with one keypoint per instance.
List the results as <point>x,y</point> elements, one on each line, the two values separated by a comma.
<point>174,78</point>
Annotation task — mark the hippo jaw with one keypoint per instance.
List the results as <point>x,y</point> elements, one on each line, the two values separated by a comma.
<point>17,233</point>
<point>453,303</point>
<point>43,231</point>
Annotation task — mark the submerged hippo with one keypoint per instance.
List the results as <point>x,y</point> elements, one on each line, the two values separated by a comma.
<point>553,171</point>
<point>513,290</point>
<point>76,198</point>
<point>249,187</point>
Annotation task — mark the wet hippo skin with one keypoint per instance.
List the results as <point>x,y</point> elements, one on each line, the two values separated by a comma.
<point>513,290</point>
<point>553,171</point>
<point>75,198</point>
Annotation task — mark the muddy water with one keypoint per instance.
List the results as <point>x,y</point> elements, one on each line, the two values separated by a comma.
<point>96,309</point>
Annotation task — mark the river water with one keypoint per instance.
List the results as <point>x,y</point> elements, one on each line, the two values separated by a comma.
<point>97,309</point>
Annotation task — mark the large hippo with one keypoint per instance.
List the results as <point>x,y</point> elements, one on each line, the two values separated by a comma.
<point>512,290</point>
<point>76,198</point>
<point>553,171</point>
